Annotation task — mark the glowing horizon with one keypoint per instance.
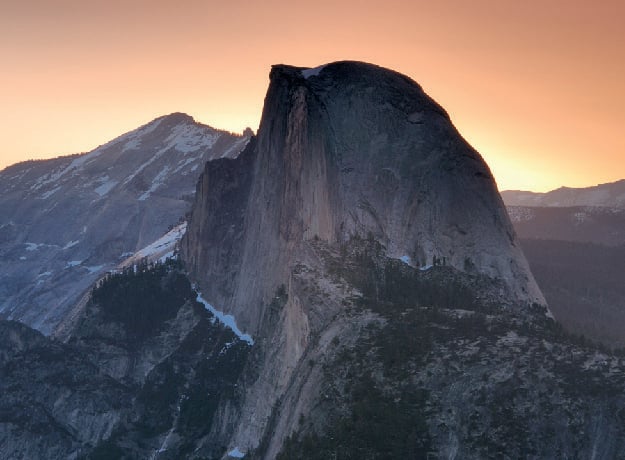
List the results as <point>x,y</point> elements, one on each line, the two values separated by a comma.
<point>536,88</point>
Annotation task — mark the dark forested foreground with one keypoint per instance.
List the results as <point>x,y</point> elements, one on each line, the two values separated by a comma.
<point>145,369</point>
<point>447,372</point>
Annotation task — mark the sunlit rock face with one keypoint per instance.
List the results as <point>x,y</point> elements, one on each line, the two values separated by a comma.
<point>64,222</point>
<point>348,149</point>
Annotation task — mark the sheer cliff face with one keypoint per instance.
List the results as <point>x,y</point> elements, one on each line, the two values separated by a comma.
<point>346,149</point>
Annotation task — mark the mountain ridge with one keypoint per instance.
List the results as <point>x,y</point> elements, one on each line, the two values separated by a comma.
<point>610,194</point>
<point>57,234</point>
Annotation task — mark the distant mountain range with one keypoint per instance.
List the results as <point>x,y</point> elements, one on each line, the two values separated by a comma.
<point>610,195</point>
<point>65,222</point>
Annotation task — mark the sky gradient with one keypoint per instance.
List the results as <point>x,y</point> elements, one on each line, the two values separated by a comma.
<point>538,88</point>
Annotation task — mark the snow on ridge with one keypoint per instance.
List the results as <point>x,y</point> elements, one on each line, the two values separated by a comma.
<point>49,193</point>
<point>405,259</point>
<point>95,268</point>
<point>184,138</point>
<point>156,183</point>
<point>159,249</point>
<point>187,138</point>
<point>227,320</point>
<point>106,186</point>
<point>236,148</point>
<point>71,244</point>
<point>132,144</point>
<point>132,138</point>
<point>33,246</point>
<point>312,72</point>
<point>184,163</point>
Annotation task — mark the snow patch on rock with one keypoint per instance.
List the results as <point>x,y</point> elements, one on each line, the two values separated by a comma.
<point>236,453</point>
<point>312,72</point>
<point>156,183</point>
<point>227,320</point>
<point>187,138</point>
<point>160,249</point>
<point>106,185</point>
<point>49,193</point>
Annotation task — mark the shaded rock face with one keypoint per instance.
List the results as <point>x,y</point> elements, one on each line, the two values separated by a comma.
<point>353,149</point>
<point>64,222</point>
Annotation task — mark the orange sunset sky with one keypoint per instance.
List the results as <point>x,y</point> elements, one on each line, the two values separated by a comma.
<point>538,87</point>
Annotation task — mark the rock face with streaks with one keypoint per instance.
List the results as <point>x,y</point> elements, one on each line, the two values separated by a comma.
<point>64,222</point>
<point>345,153</point>
<point>350,149</point>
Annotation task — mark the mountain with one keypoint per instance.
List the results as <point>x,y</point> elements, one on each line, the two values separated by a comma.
<point>65,222</point>
<point>349,286</point>
<point>610,195</point>
<point>350,158</point>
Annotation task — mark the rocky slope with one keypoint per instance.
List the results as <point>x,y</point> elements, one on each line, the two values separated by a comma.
<point>610,195</point>
<point>55,403</point>
<point>141,376</point>
<point>344,151</point>
<point>65,222</point>
<point>410,363</point>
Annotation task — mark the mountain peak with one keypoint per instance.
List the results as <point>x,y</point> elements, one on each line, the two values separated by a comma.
<point>177,118</point>
<point>59,238</point>
<point>349,159</point>
<point>367,77</point>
